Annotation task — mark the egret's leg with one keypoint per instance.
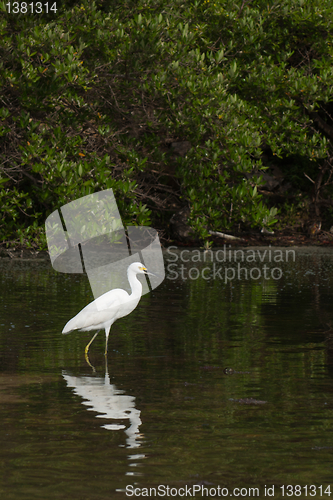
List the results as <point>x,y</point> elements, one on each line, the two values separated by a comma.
<point>107,331</point>
<point>88,345</point>
<point>106,345</point>
<point>88,361</point>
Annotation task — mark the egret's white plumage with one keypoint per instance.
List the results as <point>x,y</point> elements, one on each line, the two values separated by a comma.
<point>112,305</point>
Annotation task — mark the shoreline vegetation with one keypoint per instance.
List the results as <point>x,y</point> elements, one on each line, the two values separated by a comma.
<point>211,121</point>
<point>173,254</point>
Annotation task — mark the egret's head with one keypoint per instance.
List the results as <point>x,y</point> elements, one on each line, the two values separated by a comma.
<point>139,268</point>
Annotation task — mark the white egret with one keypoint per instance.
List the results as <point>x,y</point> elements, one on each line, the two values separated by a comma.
<point>112,305</point>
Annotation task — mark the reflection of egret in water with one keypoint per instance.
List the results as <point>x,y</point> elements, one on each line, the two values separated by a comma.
<point>109,402</point>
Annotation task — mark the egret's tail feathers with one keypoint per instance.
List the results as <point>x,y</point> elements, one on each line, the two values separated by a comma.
<point>70,326</point>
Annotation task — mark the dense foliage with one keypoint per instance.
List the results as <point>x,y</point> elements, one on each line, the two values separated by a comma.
<point>92,96</point>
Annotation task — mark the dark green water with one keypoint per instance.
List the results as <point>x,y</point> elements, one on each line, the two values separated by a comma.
<point>164,411</point>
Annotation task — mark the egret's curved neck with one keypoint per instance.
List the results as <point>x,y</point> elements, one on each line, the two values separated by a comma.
<point>135,284</point>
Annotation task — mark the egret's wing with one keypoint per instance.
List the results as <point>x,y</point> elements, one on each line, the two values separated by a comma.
<point>109,299</point>
<point>92,320</point>
<point>102,310</point>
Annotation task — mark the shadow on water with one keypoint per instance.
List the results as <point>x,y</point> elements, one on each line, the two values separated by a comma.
<point>211,382</point>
